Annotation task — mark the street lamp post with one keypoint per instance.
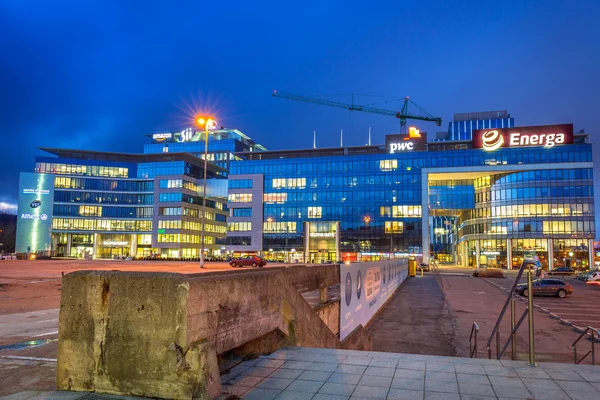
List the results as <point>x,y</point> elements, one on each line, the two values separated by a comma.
<point>208,123</point>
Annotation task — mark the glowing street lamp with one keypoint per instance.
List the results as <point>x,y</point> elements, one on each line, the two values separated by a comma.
<point>207,124</point>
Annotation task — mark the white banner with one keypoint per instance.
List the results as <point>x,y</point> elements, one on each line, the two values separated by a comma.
<point>365,287</point>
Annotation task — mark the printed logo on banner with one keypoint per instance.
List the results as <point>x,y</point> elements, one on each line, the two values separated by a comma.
<point>348,288</point>
<point>358,285</point>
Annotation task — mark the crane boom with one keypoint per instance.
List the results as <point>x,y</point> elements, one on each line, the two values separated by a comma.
<point>402,115</point>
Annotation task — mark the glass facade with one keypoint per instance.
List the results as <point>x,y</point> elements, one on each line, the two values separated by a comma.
<point>121,205</point>
<point>541,193</point>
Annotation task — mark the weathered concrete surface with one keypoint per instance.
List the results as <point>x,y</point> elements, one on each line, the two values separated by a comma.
<point>127,333</point>
<point>159,334</point>
<point>330,314</point>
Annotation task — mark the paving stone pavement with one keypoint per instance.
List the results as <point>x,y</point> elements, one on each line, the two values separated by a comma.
<point>299,373</point>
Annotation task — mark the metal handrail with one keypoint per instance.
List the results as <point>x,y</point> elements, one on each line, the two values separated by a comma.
<point>510,299</point>
<point>592,351</point>
<point>473,347</point>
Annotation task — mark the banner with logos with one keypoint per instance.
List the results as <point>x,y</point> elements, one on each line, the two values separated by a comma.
<point>365,287</point>
<point>547,135</point>
<point>34,216</point>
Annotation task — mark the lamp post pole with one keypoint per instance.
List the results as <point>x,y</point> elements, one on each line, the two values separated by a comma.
<point>207,124</point>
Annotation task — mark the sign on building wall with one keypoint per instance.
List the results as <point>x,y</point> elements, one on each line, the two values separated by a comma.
<point>365,287</point>
<point>546,135</point>
<point>413,141</point>
<point>34,216</point>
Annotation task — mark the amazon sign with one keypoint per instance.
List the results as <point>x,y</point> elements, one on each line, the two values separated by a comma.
<point>546,135</point>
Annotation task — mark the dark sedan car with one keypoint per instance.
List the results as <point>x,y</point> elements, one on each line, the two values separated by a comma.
<point>253,261</point>
<point>562,271</point>
<point>546,287</point>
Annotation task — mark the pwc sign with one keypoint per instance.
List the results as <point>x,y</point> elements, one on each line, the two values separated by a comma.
<point>414,140</point>
<point>547,136</point>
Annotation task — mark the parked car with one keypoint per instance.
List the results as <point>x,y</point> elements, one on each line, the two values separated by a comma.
<point>254,261</point>
<point>582,276</point>
<point>424,267</point>
<point>546,287</point>
<point>593,276</point>
<point>562,271</point>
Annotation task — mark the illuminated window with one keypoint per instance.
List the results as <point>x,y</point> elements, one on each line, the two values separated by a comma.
<point>394,226</point>
<point>271,227</point>
<point>240,197</point>
<point>275,198</point>
<point>90,211</point>
<point>289,183</point>
<point>406,211</point>
<point>241,226</point>
<point>388,165</point>
<point>384,211</point>
<point>315,212</point>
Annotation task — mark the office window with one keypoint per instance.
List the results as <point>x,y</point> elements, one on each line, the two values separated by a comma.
<point>394,226</point>
<point>275,198</point>
<point>90,211</point>
<point>240,184</point>
<point>240,197</point>
<point>289,183</point>
<point>388,165</point>
<point>239,226</point>
<point>406,211</point>
<point>315,212</point>
<point>241,212</point>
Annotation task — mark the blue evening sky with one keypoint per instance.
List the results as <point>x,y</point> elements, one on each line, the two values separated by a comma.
<point>102,74</point>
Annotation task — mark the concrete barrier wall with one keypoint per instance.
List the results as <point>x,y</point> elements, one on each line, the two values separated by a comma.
<point>159,334</point>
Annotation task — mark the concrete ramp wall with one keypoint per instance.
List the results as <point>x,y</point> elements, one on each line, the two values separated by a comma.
<point>159,334</point>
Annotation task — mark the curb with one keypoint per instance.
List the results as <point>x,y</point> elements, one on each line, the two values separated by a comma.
<point>566,322</point>
<point>578,329</point>
<point>553,316</point>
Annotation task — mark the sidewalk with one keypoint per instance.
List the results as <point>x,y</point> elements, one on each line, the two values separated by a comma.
<point>309,373</point>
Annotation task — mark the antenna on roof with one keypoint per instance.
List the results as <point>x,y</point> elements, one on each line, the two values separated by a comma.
<point>314,139</point>
<point>369,136</point>
<point>341,138</point>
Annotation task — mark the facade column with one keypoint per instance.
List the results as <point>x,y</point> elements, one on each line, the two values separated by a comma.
<point>550,255</point>
<point>95,250</point>
<point>477,254</point>
<point>133,248</point>
<point>591,253</point>
<point>69,244</point>
<point>508,253</point>
<point>425,237</point>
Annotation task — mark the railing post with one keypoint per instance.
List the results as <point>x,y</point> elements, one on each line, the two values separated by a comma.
<point>574,354</point>
<point>593,350</point>
<point>475,352</point>
<point>489,349</point>
<point>530,311</point>
<point>513,335</point>
<point>498,344</point>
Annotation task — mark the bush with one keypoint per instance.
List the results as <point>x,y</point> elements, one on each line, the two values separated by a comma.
<point>488,273</point>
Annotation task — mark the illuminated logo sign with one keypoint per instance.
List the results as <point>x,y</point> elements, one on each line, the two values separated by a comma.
<point>187,135</point>
<point>414,140</point>
<point>161,137</point>
<point>35,204</point>
<point>43,217</point>
<point>492,140</point>
<point>36,191</point>
<point>322,234</point>
<point>546,136</point>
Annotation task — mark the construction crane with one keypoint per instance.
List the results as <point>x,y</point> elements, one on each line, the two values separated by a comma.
<point>403,115</point>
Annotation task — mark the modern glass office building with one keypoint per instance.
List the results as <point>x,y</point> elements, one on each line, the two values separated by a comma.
<point>104,205</point>
<point>503,195</point>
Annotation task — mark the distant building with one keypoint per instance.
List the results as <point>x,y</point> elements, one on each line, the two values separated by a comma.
<point>463,125</point>
<point>80,203</point>
<point>495,199</point>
